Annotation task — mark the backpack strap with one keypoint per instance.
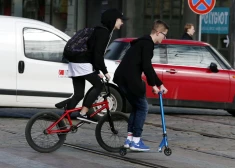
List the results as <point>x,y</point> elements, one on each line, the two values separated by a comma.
<point>110,36</point>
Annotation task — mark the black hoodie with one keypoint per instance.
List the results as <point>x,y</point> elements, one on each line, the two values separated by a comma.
<point>136,61</point>
<point>98,42</point>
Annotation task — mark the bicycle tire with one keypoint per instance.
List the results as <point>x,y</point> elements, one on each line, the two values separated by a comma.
<point>120,136</point>
<point>49,117</point>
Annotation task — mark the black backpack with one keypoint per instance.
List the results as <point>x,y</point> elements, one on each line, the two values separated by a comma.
<point>78,43</point>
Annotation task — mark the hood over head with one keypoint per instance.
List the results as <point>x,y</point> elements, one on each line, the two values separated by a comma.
<point>109,17</point>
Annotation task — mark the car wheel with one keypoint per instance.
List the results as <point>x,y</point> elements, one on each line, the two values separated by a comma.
<point>231,111</point>
<point>115,102</point>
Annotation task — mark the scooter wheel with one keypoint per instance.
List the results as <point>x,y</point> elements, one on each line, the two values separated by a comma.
<point>123,151</point>
<point>167,151</point>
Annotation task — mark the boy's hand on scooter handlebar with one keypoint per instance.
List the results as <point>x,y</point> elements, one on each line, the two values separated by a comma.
<point>163,89</point>
<point>155,90</point>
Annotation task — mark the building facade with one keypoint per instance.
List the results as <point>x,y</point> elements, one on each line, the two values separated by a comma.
<point>72,15</point>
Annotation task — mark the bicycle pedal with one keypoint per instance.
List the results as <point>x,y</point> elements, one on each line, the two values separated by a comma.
<point>88,121</point>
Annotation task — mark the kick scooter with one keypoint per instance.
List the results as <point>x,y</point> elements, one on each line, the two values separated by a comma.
<point>164,142</point>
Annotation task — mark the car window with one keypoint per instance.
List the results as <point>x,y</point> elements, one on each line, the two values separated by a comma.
<point>187,55</point>
<point>224,62</point>
<point>43,45</point>
<point>116,50</point>
<point>159,54</point>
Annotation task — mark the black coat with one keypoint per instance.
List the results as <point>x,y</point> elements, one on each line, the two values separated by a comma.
<point>186,36</point>
<point>98,42</point>
<point>136,61</point>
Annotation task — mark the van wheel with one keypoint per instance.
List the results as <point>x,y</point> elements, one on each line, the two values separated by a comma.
<point>115,102</point>
<point>231,111</point>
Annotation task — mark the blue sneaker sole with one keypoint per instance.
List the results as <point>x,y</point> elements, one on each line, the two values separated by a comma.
<point>126,146</point>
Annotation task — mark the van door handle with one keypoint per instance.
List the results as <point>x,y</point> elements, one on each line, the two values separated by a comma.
<point>21,67</point>
<point>172,71</point>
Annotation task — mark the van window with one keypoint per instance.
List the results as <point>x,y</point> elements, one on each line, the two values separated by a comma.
<point>43,45</point>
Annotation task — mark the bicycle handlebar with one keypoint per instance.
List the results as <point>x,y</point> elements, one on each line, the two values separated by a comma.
<point>106,87</point>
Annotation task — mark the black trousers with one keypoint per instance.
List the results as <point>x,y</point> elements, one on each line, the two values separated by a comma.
<point>79,88</point>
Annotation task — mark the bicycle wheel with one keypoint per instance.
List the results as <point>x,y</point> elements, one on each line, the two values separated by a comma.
<point>36,136</point>
<point>108,140</point>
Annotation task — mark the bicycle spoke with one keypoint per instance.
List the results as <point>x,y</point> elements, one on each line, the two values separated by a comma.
<point>40,137</point>
<point>111,139</point>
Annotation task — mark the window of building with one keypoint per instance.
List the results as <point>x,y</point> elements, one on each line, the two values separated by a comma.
<point>190,56</point>
<point>43,45</point>
<point>5,7</point>
<point>171,11</point>
<point>34,9</point>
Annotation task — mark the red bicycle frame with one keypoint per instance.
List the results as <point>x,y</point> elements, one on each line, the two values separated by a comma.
<point>104,104</point>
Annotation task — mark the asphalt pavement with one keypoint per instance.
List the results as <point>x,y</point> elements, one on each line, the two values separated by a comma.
<point>198,139</point>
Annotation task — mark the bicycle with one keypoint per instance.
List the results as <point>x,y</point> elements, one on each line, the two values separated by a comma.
<point>111,127</point>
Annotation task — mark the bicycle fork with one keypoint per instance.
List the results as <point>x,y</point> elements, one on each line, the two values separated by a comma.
<point>111,122</point>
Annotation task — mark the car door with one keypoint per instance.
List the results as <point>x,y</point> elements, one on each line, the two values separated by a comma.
<point>158,63</point>
<point>41,77</point>
<point>187,76</point>
<point>7,63</point>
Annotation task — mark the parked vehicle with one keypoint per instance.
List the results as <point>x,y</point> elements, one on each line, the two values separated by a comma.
<point>33,74</point>
<point>194,72</point>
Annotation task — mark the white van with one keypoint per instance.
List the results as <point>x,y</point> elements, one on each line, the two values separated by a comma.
<point>32,73</point>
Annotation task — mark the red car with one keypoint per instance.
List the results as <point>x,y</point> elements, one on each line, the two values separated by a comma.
<point>195,74</point>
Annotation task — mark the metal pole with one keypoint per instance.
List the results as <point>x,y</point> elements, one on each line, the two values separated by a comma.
<point>200,28</point>
<point>76,15</point>
<point>232,35</point>
<point>51,11</point>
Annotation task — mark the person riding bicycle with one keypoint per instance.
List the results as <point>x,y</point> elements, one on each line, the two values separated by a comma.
<point>128,78</point>
<point>88,66</point>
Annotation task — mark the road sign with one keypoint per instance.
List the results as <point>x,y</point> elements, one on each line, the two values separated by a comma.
<point>226,41</point>
<point>201,6</point>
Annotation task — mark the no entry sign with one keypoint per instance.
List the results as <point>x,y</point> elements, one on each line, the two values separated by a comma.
<point>201,6</point>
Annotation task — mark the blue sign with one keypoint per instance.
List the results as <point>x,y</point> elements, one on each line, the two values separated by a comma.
<point>216,21</point>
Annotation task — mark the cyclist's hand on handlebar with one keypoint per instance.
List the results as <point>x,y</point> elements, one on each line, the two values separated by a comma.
<point>101,76</point>
<point>163,89</point>
<point>108,77</point>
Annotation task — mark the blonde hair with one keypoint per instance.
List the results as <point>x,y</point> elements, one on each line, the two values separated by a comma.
<point>187,26</point>
<point>159,25</point>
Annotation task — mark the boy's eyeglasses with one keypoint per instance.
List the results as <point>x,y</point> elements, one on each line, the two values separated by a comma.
<point>163,35</point>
